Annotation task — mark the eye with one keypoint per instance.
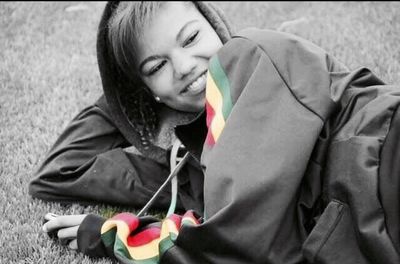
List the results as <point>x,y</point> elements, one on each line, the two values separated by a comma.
<point>156,68</point>
<point>191,38</point>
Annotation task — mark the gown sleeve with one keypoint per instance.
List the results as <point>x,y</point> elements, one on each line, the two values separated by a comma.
<point>91,162</point>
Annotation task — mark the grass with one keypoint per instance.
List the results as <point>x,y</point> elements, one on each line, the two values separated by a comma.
<point>48,72</point>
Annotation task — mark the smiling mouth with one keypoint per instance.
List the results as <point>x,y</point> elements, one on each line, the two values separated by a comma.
<point>197,86</point>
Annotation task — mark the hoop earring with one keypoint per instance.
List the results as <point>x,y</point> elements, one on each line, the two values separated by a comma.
<point>157,99</point>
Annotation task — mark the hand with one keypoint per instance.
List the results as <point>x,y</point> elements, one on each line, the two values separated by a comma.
<point>66,226</point>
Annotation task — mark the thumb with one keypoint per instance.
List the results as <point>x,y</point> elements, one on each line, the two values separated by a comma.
<point>73,244</point>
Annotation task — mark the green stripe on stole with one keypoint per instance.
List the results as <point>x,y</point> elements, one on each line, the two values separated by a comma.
<point>222,82</point>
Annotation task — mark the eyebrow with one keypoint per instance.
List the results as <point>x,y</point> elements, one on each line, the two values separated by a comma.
<point>155,57</point>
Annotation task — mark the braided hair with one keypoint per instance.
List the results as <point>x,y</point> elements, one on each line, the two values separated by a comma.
<point>140,109</point>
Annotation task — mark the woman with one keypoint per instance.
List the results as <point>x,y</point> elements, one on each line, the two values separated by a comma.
<point>117,150</point>
<point>283,117</point>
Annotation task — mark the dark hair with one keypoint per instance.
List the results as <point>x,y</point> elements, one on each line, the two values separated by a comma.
<point>124,28</point>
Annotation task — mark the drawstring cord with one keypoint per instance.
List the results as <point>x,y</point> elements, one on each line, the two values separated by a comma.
<point>174,181</point>
<point>175,168</point>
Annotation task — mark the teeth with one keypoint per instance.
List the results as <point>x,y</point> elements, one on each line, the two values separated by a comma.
<point>195,85</point>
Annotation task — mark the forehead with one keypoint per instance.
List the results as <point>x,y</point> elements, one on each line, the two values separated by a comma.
<point>165,24</point>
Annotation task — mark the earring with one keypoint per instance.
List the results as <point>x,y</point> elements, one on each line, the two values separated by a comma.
<point>157,99</point>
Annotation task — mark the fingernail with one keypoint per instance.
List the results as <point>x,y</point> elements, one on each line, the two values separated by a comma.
<point>50,216</point>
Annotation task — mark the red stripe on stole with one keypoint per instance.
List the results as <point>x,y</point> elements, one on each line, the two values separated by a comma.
<point>190,214</point>
<point>210,116</point>
<point>152,233</point>
<point>130,219</point>
<point>144,237</point>
<point>176,219</point>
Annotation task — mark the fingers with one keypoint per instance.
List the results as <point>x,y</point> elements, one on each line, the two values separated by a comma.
<point>68,236</point>
<point>50,216</point>
<point>63,221</point>
<point>68,233</point>
<point>65,226</point>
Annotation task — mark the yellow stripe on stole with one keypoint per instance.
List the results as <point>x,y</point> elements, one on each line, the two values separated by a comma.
<point>168,226</point>
<point>122,227</point>
<point>214,98</point>
<point>189,219</point>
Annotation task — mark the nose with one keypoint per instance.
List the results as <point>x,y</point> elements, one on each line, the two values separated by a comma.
<point>184,64</point>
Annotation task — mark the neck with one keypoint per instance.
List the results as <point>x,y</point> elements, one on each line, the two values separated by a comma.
<point>168,120</point>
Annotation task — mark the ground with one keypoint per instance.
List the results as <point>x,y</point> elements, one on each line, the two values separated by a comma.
<point>48,72</point>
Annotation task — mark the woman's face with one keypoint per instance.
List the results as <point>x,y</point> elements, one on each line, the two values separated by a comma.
<point>174,51</point>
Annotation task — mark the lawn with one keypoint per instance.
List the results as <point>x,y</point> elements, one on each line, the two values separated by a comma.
<point>48,72</point>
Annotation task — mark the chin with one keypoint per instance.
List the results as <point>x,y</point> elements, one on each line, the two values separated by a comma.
<point>194,108</point>
<point>191,106</point>
<point>200,106</point>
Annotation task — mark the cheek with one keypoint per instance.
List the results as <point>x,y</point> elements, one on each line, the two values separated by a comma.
<point>153,86</point>
<point>160,85</point>
<point>213,42</point>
